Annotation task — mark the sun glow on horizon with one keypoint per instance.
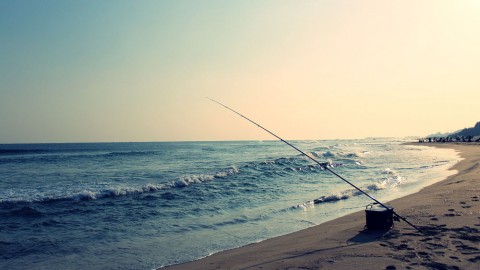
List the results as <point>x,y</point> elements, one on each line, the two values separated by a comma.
<point>114,71</point>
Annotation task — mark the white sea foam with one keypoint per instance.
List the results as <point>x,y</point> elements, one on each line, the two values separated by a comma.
<point>346,194</point>
<point>305,206</point>
<point>85,196</point>
<point>201,178</point>
<point>257,190</point>
<point>100,190</point>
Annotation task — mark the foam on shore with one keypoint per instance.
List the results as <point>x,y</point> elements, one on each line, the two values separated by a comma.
<point>448,212</point>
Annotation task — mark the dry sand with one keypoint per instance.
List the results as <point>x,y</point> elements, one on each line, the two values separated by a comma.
<point>448,212</point>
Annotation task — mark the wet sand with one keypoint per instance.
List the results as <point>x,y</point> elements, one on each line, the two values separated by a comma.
<point>448,213</point>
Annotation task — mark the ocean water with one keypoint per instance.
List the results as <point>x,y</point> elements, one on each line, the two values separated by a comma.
<point>148,205</point>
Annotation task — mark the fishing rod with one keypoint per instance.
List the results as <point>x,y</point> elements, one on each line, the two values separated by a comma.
<point>322,165</point>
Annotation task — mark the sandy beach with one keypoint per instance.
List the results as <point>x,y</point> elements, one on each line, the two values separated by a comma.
<point>448,212</point>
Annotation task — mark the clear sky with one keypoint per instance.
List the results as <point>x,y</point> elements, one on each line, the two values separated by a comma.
<point>83,71</point>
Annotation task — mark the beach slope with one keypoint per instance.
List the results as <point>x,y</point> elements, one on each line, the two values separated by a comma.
<point>448,212</point>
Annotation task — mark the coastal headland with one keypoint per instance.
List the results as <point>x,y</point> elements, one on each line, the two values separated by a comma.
<point>448,213</point>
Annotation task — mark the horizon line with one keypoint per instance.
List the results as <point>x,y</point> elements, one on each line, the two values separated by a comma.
<point>187,141</point>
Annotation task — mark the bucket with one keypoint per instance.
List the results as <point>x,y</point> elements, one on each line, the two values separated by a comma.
<point>378,217</point>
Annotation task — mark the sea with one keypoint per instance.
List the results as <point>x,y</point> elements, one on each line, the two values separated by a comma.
<point>148,205</point>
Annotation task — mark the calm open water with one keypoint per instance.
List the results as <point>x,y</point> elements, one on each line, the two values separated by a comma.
<point>147,205</point>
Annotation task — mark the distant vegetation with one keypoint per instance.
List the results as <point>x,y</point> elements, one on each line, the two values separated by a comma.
<point>473,131</point>
<point>442,134</point>
<point>465,135</point>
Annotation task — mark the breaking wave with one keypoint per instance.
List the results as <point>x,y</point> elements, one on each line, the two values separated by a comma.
<point>329,154</point>
<point>343,195</point>
<point>347,194</point>
<point>117,191</point>
<point>277,166</point>
<point>191,179</point>
<point>391,181</point>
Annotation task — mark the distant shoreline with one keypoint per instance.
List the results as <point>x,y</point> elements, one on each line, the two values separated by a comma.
<point>447,211</point>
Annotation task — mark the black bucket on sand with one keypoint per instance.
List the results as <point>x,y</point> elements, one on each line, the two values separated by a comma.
<point>378,217</point>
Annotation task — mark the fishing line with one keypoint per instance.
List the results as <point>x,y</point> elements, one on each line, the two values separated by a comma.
<point>322,165</point>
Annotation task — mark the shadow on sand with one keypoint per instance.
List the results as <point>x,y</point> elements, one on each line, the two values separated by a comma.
<point>366,236</point>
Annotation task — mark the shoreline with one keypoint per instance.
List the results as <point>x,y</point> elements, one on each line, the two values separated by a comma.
<point>448,211</point>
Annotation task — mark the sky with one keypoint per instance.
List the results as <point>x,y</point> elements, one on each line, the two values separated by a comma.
<point>114,70</point>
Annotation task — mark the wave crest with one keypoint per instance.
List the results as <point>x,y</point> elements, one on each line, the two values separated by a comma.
<point>93,193</point>
<point>343,195</point>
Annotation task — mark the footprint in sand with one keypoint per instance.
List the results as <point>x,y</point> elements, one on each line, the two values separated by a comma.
<point>426,239</point>
<point>465,205</point>
<point>436,246</point>
<point>402,247</point>
<point>474,259</point>
<point>464,249</point>
<point>450,214</point>
<point>423,254</point>
<point>453,213</point>
<point>455,258</point>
